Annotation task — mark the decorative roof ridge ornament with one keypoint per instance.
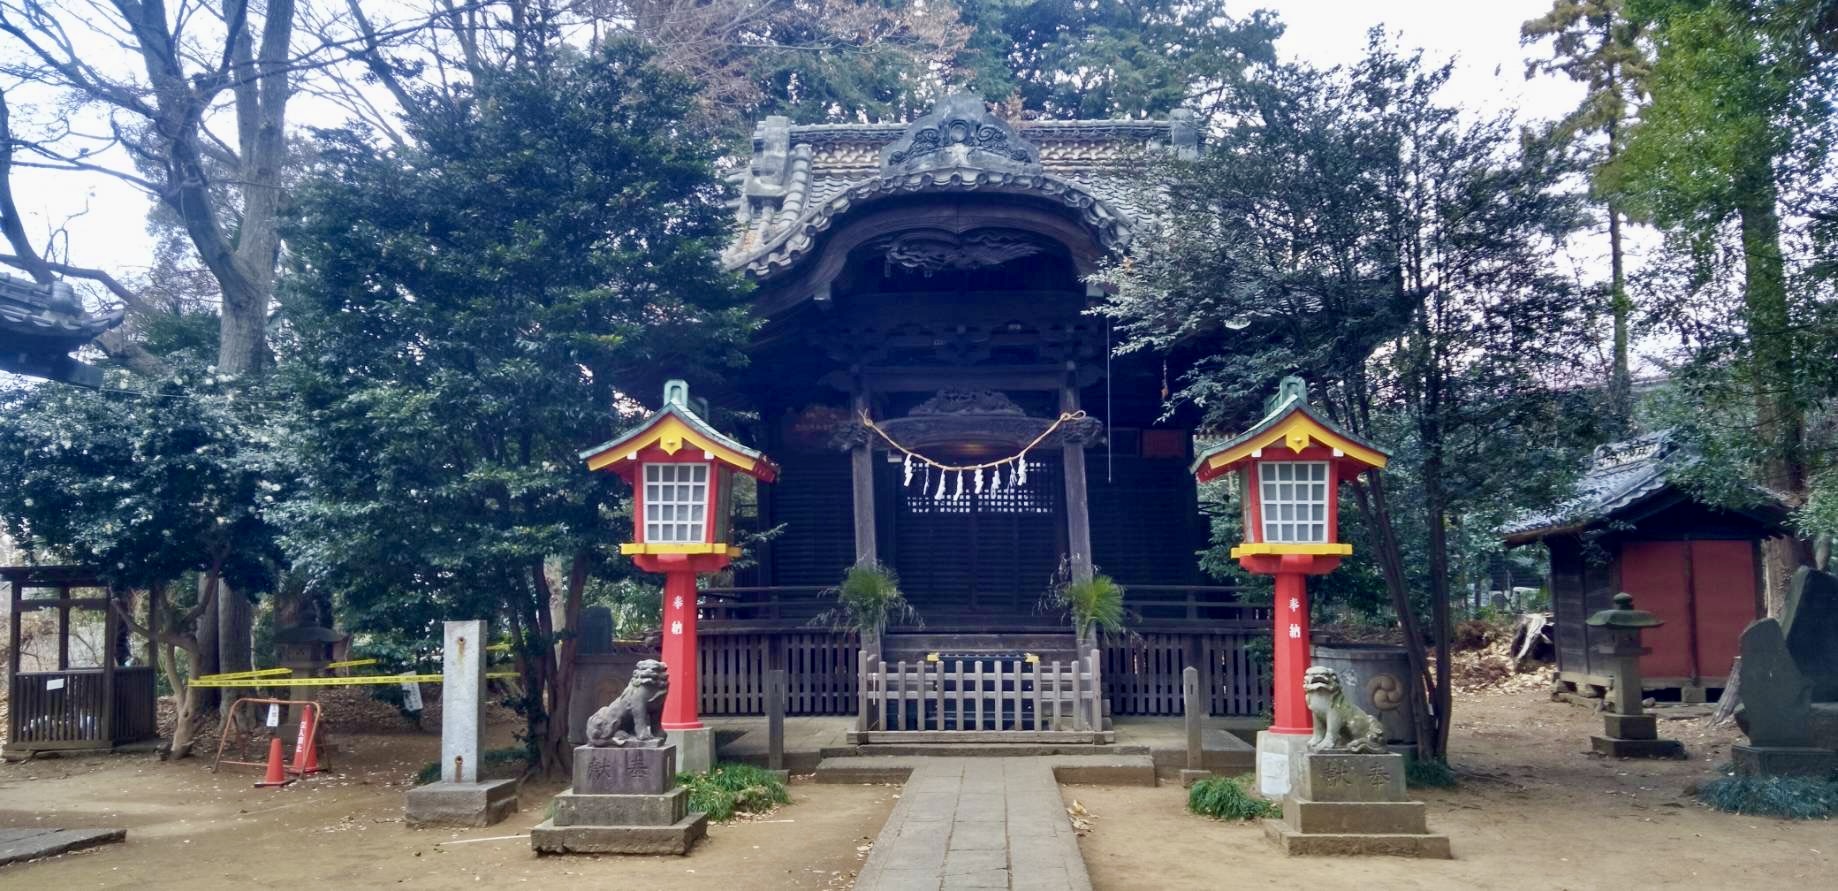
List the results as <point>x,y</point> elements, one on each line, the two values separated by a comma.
<point>41,324</point>
<point>960,131</point>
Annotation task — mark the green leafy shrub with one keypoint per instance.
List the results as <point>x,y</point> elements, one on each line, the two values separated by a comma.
<point>1225,798</point>
<point>1793,798</point>
<point>732,789</point>
<point>1096,602</point>
<point>500,764</point>
<point>1432,774</point>
<point>868,598</point>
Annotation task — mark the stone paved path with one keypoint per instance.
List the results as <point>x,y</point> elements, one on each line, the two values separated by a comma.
<point>977,823</point>
<point>18,845</point>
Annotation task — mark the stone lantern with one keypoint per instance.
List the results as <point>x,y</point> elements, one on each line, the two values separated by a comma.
<point>682,474</point>
<point>1289,466</point>
<point>1627,731</point>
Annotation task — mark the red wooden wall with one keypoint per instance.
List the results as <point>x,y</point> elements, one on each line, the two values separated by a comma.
<point>1704,586</point>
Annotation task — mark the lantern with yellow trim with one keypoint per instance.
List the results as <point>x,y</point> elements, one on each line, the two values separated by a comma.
<point>682,475</point>
<point>1289,466</point>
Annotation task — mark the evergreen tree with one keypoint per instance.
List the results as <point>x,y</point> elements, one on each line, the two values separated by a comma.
<point>1109,58</point>
<point>469,311</point>
<point>1737,129</point>
<point>1355,230</point>
<point>1595,44</point>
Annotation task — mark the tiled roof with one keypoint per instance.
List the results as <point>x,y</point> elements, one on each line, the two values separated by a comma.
<point>801,177</point>
<point>1621,475</point>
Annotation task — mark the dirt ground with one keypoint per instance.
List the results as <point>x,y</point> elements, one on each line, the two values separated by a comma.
<point>1533,810</point>
<point>189,828</point>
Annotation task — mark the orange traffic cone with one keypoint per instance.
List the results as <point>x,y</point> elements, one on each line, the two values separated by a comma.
<point>277,774</point>
<point>306,744</point>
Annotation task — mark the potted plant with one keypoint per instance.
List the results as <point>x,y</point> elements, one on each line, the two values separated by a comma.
<point>1093,605</point>
<point>868,598</point>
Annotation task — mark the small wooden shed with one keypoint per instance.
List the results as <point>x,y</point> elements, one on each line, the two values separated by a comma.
<point>74,681</point>
<point>1632,528</point>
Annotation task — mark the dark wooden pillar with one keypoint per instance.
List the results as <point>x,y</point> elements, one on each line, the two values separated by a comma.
<point>861,459</point>
<point>1078,515</point>
<point>861,462</point>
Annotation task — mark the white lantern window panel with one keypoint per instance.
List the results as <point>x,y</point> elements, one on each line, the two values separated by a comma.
<point>676,503</point>
<point>1294,499</point>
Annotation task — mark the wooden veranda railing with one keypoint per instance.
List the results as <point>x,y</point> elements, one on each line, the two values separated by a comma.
<point>749,630</point>
<point>965,700</point>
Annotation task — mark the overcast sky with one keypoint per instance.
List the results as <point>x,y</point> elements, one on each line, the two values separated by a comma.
<point>1482,35</point>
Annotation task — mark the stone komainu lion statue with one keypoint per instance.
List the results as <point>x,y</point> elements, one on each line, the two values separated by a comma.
<point>632,719</point>
<point>1339,724</point>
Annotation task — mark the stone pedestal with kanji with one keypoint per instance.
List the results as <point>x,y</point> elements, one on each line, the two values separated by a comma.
<point>625,800</point>
<point>1345,804</point>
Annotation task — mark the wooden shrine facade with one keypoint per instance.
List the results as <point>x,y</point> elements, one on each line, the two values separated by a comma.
<point>74,682</point>
<point>931,278</point>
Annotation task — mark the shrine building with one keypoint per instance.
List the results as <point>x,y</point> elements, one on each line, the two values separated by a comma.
<point>921,291</point>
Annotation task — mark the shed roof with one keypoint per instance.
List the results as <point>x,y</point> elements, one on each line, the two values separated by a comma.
<point>803,176</point>
<point>1622,477</point>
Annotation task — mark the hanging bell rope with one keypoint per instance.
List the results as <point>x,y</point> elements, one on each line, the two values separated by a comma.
<point>912,456</point>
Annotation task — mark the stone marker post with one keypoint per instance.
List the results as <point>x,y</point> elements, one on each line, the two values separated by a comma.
<point>775,719</point>
<point>1193,709</point>
<point>460,798</point>
<point>462,708</point>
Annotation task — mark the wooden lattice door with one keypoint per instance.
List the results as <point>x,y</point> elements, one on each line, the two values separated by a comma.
<point>977,557</point>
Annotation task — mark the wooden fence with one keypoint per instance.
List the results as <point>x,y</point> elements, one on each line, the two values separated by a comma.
<point>819,670</point>
<point>65,709</point>
<point>1142,672</point>
<point>961,700</point>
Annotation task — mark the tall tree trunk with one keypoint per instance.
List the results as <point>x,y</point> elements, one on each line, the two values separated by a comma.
<point>205,661</point>
<point>1620,381</point>
<point>1435,505</point>
<point>235,621</point>
<point>1375,508</point>
<point>561,689</point>
<point>187,700</point>
<point>1780,418</point>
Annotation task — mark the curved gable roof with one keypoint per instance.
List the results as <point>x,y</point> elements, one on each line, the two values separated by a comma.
<point>803,179</point>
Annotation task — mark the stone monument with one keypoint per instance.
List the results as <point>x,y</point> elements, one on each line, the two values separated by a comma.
<point>1789,708</point>
<point>461,798</point>
<point>625,798</point>
<point>1347,795</point>
<point>1627,730</point>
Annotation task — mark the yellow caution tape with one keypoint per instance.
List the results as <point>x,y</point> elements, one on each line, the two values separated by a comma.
<point>352,663</point>
<point>372,680</point>
<point>254,673</point>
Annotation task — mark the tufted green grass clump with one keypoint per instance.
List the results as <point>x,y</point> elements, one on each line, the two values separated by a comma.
<point>1792,798</point>
<point>731,789</point>
<point>1433,774</point>
<point>1225,798</point>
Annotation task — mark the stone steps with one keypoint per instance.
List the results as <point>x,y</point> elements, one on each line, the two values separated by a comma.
<point>979,750</point>
<point>1316,844</point>
<point>1137,769</point>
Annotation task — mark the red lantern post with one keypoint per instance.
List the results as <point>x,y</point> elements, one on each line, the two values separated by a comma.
<point>682,475</point>
<point>1289,466</point>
